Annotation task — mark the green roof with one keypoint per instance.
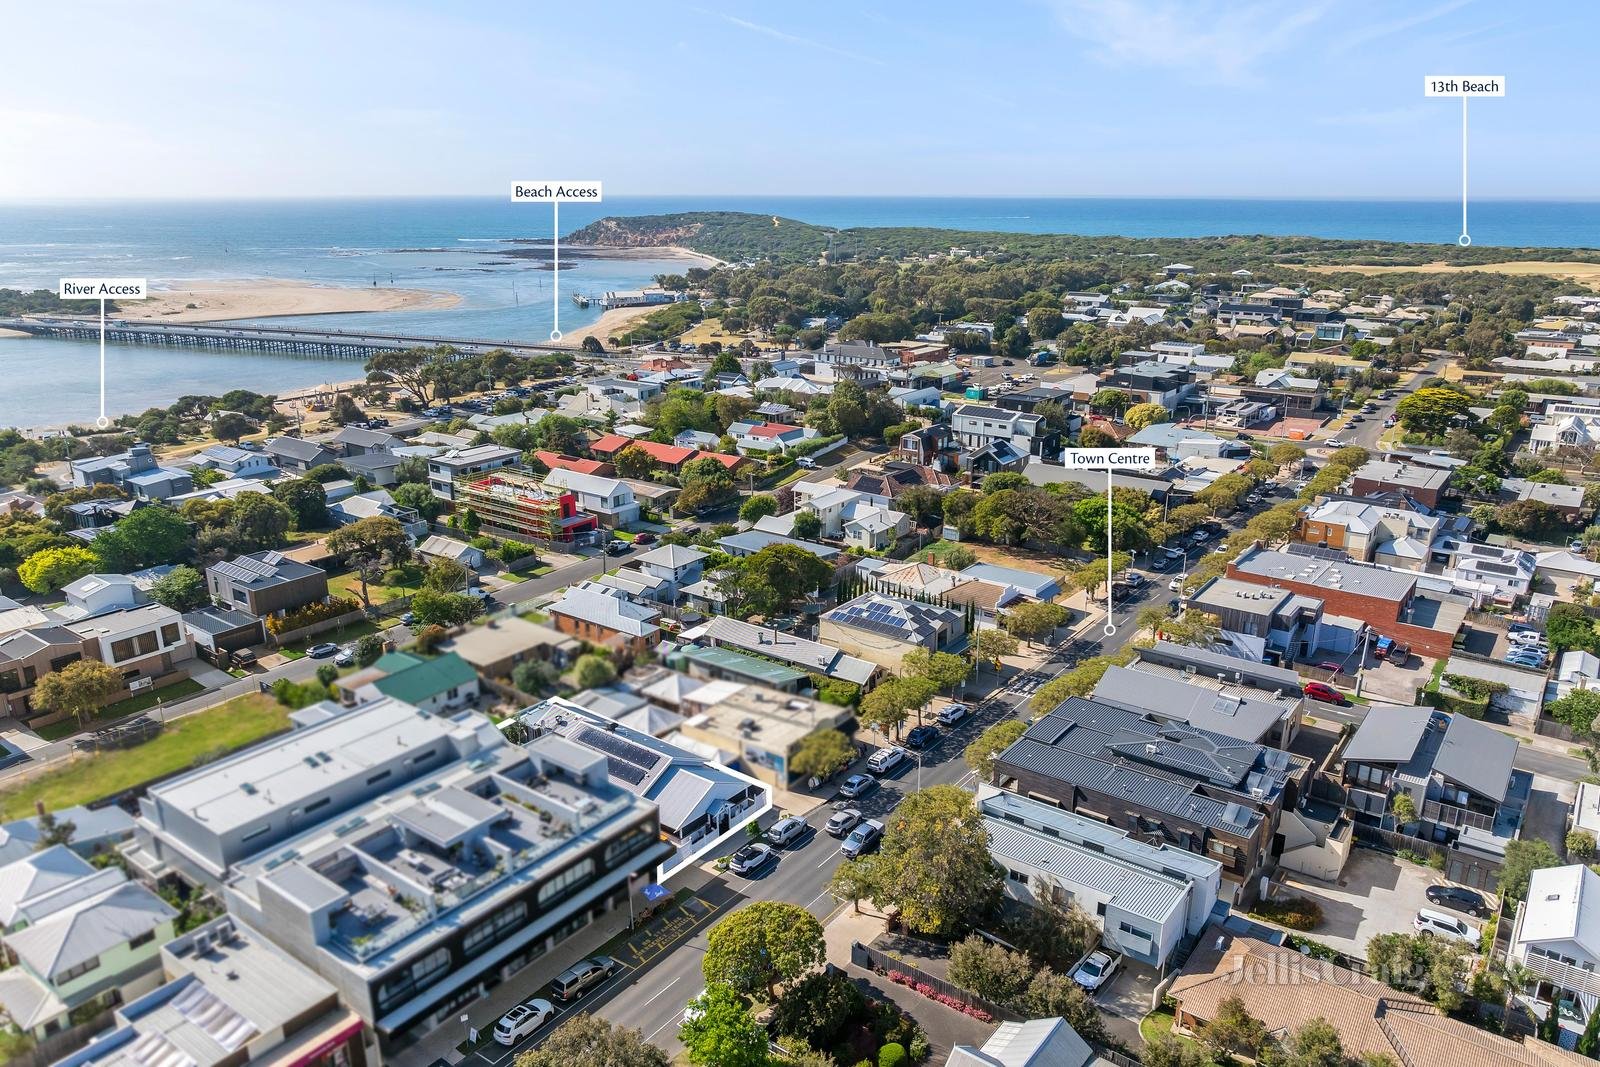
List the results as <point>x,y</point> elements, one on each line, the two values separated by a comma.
<point>393,662</point>
<point>425,679</point>
<point>752,667</point>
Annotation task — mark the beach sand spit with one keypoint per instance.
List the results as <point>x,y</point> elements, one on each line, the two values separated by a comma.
<point>259,298</point>
<point>1583,273</point>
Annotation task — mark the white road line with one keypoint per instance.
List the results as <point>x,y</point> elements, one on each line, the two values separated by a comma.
<point>825,859</point>
<point>664,988</point>
<point>816,898</point>
<point>662,1027</point>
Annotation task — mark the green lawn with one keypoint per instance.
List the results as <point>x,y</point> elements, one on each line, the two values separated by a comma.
<point>140,701</point>
<point>538,570</point>
<point>348,585</point>
<point>1156,1024</point>
<point>342,635</point>
<point>183,744</point>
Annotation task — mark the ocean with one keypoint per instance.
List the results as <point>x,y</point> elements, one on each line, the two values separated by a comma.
<point>447,244</point>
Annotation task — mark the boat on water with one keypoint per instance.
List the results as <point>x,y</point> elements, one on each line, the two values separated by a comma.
<point>581,300</point>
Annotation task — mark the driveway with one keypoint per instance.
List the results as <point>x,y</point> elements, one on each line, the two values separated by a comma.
<point>1387,683</point>
<point>1377,894</point>
<point>1127,999</point>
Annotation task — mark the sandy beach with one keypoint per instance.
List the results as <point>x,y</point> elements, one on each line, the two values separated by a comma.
<point>613,322</point>
<point>259,298</point>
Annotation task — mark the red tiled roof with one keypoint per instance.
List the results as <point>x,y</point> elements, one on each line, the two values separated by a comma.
<point>670,455</point>
<point>610,444</point>
<point>721,457</point>
<point>772,429</point>
<point>557,462</point>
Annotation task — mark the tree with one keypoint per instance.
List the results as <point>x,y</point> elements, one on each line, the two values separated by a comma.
<point>1034,620</point>
<point>778,578</point>
<point>1168,1050</point>
<point>433,608</point>
<point>230,426</point>
<point>758,507</point>
<point>820,753</point>
<point>1142,415</point>
<point>719,1031</point>
<point>925,505</point>
<point>1096,437</point>
<point>259,521</point>
<point>147,537</point>
<point>1523,857</point>
<point>328,472</point>
<point>1589,1041</point>
<point>49,570</point>
<point>1577,709</point>
<point>634,462</point>
<point>534,675</point>
<point>1432,411</point>
<point>447,576</point>
<point>368,649</point>
<point>944,670</point>
<point>934,863</point>
<point>592,671</point>
<point>762,945</point>
<point>1567,626</point>
<point>588,1039</point>
<point>1315,1043</point>
<point>1054,931</point>
<point>419,498</point>
<point>993,646</point>
<point>959,558</point>
<point>471,523</point>
<point>306,499</point>
<point>1529,518</point>
<point>345,410</point>
<point>1404,808</point>
<point>79,688</point>
<point>1580,845</point>
<point>1233,1029</point>
<point>981,753</point>
<point>1285,454</point>
<point>1054,995</point>
<point>370,547</point>
<point>888,705</point>
<point>807,525</point>
<point>1078,682</point>
<point>991,971</point>
<point>1110,402</point>
<point>815,1008</point>
<point>53,831</point>
<point>182,589</point>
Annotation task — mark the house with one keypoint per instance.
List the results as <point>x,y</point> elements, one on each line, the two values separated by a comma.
<point>266,583</point>
<point>229,997</point>
<point>604,616</point>
<point>696,439</point>
<point>1457,771</point>
<point>678,566</point>
<point>924,580</point>
<point>26,655</point>
<point>859,361</point>
<point>850,517</point>
<point>609,500</point>
<point>1230,710</point>
<point>1200,791</point>
<point>759,726</point>
<point>1035,1043</point>
<point>448,468</point>
<point>373,503</point>
<point>438,546</point>
<point>1424,484</point>
<point>1503,575</point>
<point>497,647</point>
<point>700,801</point>
<point>710,664</point>
<point>1152,382</point>
<point>1375,533</point>
<point>1148,896</point>
<point>383,843</point>
<point>978,426</point>
<point>763,438</point>
<point>434,684</point>
<point>296,455</point>
<point>217,631</point>
<point>352,441</point>
<point>83,938</point>
<point>752,541</point>
<point>768,643</point>
<point>144,643</point>
<point>1173,442</point>
<point>1033,584</point>
<point>881,485</point>
<point>554,461</point>
<point>670,458</point>
<point>378,468</point>
<point>135,472</point>
<point>1570,428</point>
<point>94,831</point>
<point>1557,938</point>
<point>624,396</point>
<point>236,462</point>
<point>1389,601</point>
<point>1560,572</point>
<point>1565,499</point>
<point>519,504</point>
<point>96,594</point>
<point>882,629</point>
<point>923,447</point>
<point>1375,1022</point>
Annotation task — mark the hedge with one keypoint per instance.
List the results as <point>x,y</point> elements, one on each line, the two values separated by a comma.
<point>331,608</point>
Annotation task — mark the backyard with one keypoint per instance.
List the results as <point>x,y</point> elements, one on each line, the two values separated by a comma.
<point>184,743</point>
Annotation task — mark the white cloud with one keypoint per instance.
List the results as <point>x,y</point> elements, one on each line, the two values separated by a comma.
<point>1210,41</point>
<point>789,38</point>
<point>1368,34</point>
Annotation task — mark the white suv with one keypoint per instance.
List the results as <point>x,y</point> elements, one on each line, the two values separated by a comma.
<point>885,759</point>
<point>1439,924</point>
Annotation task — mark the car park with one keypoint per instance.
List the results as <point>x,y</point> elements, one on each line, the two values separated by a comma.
<point>1526,637</point>
<point>951,714</point>
<point>842,821</point>
<point>1526,659</point>
<point>1324,692</point>
<point>886,759</point>
<point>863,839</point>
<point>858,785</point>
<point>583,976</point>
<point>1096,969</point>
<point>523,1020</point>
<point>787,830</point>
<point>322,650</point>
<point>924,736</point>
<point>751,858</point>
<point>1459,899</point>
<point>1431,923</point>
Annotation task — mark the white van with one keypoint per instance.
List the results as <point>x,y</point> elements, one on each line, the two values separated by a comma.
<point>1441,924</point>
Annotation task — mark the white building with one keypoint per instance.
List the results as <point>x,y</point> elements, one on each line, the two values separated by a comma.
<point>609,499</point>
<point>1557,937</point>
<point>446,467</point>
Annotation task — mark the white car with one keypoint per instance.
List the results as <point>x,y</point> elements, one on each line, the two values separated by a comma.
<point>885,759</point>
<point>1441,924</point>
<point>1177,583</point>
<point>1336,443</point>
<point>523,1020</point>
<point>951,714</point>
<point>786,831</point>
<point>1094,971</point>
<point>751,858</point>
<point>1526,637</point>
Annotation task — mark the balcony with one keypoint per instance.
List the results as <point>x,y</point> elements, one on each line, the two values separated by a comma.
<point>1449,815</point>
<point>1565,975</point>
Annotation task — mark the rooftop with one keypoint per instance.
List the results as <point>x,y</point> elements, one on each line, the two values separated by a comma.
<point>261,570</point>
<point>775,644</point>
<point>1234,712</point>
<point>1408,475</point>
<point>1343,574</point>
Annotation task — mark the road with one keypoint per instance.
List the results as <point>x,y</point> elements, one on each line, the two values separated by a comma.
<point>1366,432</point>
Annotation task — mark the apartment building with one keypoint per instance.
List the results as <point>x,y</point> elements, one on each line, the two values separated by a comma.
<point>446,467</point>
<point>1375,533</point>
<point>1424,484</point>
<point>978,426</point>
<point>412,861</point>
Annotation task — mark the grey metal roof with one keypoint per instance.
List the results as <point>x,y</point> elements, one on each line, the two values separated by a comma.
<point>1477,756</point>
<point>89,928</point>
<point>1035,1043</point>
<point>1358,578</point>
<point>1242,671</point>
<point>1388,735</point>
<point>1248,718</point>
<point>1150,896</point>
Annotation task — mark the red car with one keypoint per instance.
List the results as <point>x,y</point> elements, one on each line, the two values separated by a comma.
<point>1324,692</point>
<point>1329,665</point>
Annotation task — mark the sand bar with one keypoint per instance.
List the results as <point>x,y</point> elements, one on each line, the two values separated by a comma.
<point>259,298</point>
<point>1584,273</point>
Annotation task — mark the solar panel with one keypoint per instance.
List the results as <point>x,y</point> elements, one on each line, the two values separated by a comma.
<point>627,772</point>
<point>619,748</point>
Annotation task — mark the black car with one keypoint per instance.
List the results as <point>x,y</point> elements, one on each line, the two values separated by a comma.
<point>922,736</point>
<point>1459,899</point>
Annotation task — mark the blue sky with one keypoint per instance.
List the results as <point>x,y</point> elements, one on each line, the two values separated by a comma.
<point>184,98</point>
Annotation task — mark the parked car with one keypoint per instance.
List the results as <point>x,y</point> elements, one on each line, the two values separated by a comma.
<point>858,785</point>
<point>951,714</point>
<point>787,830</point>
<point>523,1020</point>
<point>322,650</point>
<point>886,759</point>
<point>1459,899</point>
<point>924,736</point>
<point>408,618</point>
<point>843,821</point>
<point>1176,583</point>
<point>1324,692</point>
<point>346,657</point>
<point>644,538</point>
<point>751,858</point>
<point>1526,637</point>
<point>244,658</point>
<point>583,976</point>
<point>1337,443</point>
<point>806,463</point>
<point>1329,665</point>
<point>618,548</point>
<point>863,839</point>
<point>1094,971</point>
<point>1432,923</point>
<point>1576,546</point>
<point>1526,659</point>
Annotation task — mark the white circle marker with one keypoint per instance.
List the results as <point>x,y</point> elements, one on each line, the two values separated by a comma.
<point>102,422</point>
<point>555,335</point>
<point>1464,240</point>
<point>1110,629</point>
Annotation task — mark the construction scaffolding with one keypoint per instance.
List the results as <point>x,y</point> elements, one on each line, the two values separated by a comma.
<point>519,504</point>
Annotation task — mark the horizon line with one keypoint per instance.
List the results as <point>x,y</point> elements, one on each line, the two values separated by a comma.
<point>1228,197</point>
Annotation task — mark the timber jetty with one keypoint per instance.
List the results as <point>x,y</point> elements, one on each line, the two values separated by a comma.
<point>297,341</point>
